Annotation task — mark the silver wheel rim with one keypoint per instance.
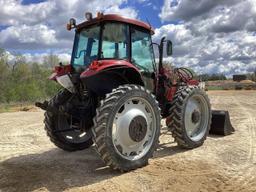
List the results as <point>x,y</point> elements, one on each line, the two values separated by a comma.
<point>124,144</point>
<point>196,117</point>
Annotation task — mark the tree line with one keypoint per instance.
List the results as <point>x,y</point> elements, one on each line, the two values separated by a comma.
<point>212,77</point>
<point>22,81</point>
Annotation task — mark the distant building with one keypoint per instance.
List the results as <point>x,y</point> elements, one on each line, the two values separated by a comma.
<point>239,78</point>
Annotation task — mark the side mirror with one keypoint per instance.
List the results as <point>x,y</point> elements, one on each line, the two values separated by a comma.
<point>169,48</point>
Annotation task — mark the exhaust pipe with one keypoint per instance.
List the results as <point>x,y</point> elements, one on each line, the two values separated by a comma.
<point>43,105</point>
<point>46,107</point>
<point>221,124</point>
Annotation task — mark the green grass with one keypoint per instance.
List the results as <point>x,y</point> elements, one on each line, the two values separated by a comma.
<point>214,88</point>
<point>5,108</point>
<point>13,107</point>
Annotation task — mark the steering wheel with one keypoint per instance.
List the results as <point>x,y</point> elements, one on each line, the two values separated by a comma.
<point>80,53</point>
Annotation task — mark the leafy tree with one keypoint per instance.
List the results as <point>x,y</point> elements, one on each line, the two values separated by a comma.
<point>212,77</point>
<point>24,81</point>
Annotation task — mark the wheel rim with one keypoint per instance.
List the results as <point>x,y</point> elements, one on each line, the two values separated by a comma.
<point>134,128</point>
<point>196,117</point>
<point>69,129</point>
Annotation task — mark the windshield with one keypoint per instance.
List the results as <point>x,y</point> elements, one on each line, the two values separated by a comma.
<point>113,44</point>
<point>86,46</point>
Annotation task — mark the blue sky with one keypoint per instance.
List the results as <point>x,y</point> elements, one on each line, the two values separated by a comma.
<point>27,2</point>
<point>145,10</point>
<point>208,36</point>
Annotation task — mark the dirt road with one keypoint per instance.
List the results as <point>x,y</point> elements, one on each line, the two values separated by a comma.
<point>29,162</point>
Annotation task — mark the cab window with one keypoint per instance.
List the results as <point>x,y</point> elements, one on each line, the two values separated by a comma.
<point>142,50</point>
<point>86,46</point>
<point>114,41</point>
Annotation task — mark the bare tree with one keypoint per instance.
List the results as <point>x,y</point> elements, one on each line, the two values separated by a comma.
<point>51,60</point>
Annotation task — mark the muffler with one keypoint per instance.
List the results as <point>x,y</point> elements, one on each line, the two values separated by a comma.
<point>221,124</point>
<point>43,105</point>
<point>46,107</point>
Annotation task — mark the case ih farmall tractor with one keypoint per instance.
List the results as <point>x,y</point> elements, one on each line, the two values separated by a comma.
<point>115,95</point>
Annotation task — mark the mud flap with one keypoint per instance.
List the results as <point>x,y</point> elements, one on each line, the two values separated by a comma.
<point>221,124</point>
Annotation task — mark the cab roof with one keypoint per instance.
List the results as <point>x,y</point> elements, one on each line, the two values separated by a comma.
<point>118,18</point>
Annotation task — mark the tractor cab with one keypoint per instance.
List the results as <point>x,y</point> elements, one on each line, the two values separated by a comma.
<point>112,37</point>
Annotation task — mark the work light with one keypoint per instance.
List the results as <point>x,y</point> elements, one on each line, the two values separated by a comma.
<point>72,22</point>
<point>88,16</point>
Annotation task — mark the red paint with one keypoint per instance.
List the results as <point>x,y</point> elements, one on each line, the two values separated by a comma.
<point>60,70</point>
<point>97,66</point>
<point>193,82</point>
<point>170,93</point>
<point>114,17</point>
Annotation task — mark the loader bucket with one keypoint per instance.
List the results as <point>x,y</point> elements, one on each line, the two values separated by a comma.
<point>221,124</point>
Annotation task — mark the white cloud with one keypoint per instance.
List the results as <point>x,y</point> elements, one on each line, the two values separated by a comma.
<point>42,25</point>
<point>23,34</point>
<point>212,16</point>
<point>178,33</point>
<point>64,57</point>
<point>128,12</point>
<point>214,37</point>
<point>233,53</point>
<point>39,57</point>
<point>188,9</point>
<point>12,12</point>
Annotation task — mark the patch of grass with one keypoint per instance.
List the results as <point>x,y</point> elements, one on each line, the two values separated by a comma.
<point>214,88</point>
<point>4,108</point>
<point>13,107</point>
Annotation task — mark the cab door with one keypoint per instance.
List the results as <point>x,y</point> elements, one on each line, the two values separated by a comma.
<point>142,56</point>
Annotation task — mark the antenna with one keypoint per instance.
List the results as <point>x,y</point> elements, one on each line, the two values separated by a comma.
<point>148,23</point>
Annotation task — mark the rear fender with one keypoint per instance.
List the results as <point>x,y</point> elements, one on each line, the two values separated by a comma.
<point>104,78</point>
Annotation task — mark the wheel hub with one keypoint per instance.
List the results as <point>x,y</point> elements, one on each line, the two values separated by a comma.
<point>133,128</point>
<point>195,116</point>
<point>138,128</point>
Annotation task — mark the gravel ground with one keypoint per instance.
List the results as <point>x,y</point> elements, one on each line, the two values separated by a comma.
<point>30,162</point>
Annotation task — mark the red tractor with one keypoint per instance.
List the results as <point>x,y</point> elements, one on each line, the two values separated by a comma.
<point>115,95</point>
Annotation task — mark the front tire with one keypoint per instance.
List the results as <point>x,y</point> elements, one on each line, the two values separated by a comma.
<point>126,127</point>
<point>190,117</point>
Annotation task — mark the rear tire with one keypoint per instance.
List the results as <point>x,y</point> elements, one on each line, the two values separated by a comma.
<point>190,117</point>
<point>52,125</point>
<point>131,147</point>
